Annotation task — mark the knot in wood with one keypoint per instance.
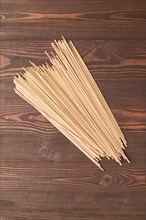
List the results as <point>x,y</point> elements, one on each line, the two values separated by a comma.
<point>106,180</point>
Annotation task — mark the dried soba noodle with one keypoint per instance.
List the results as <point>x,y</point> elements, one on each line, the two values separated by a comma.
<point>67,95</point>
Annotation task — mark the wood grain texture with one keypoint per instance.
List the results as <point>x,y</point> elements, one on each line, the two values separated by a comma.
<point>43,175</point>
<point>78,19</point>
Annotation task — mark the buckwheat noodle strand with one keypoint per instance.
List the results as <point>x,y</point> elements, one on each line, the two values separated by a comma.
<point>67,95</point>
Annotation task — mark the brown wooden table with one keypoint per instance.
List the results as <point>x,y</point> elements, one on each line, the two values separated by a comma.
<point>43,175</point>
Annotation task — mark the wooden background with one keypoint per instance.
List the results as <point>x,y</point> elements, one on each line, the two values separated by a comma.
<point>43,175</point>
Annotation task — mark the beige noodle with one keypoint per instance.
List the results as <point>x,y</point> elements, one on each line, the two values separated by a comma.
<point>67,95</point>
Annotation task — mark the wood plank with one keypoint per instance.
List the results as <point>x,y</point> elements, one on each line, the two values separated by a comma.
<point>36,205</point>
<point>55,150</point>
<point>70,6</point>
<point>110,62</point>
<point>27,118</point>
<point>69,193</point>
<point>118,95</point>
<point>79,19</point>
<point>112,59</point>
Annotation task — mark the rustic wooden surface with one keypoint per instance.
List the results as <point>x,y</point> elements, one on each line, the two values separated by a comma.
<point>43,175</point>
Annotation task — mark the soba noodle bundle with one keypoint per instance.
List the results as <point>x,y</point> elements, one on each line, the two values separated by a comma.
<point>67,95</point>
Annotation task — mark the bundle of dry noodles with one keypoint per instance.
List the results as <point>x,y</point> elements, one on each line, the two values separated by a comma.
<point>67,95</point>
